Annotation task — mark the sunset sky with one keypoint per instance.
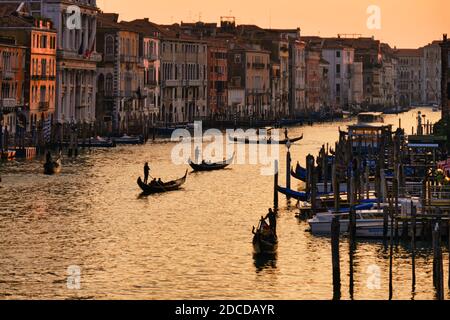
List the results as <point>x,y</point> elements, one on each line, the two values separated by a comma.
<point>404,23</point>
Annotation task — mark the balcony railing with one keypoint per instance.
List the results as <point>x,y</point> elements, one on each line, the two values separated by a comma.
<point>8,103</point>
<point>259,65</point>
<point>7,75</point>
<point>44,106</point>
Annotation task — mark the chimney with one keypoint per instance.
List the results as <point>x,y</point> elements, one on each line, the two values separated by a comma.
<point>445,37</point>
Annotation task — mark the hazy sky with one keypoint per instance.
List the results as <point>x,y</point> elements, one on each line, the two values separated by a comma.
<point>404,23</point>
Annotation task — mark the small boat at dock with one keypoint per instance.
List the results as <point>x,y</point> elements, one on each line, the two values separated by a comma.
<point>299,173</point>
<point>126,139</point>
<point>161,187</point>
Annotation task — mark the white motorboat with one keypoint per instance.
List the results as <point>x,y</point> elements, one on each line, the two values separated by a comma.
<point>321,223</point>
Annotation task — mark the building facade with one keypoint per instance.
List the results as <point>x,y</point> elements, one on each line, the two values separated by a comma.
<point>183,79</point>
<point>217,79</point>
<point>39,37</point>
<point>249,69</point>
<point>432,74</point>
<point>120,76</point>
<point>410,76</point>
<point>445,77</point>
<point>12,81</point>
<point>298,67</point>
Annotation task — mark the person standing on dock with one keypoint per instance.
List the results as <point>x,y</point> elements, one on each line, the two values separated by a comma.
<point>272,221</point>
<point>146,172</point>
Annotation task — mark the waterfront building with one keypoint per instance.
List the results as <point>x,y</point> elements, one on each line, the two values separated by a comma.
<point>249,69</point>
<point>297,69</point>
<point>445,77</point>
<point>12,79</point>
<point>217,78</point>
<point>324,96</point>
<point>341,74</point>
<point>120,76</point>
<point>183,78</point>
<point>389,65</point>
<point>38,35</point>
<point>149,51</point>
<point>410,76</point>
<point>76,57</point>
<point>313,80</point>
<point>431,86</point>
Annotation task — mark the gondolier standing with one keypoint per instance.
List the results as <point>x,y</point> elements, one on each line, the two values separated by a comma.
<point>272,221</point>
<point>146,172</point>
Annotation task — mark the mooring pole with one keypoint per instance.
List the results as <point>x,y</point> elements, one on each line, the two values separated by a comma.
<point>275,186</point>
<point>288,168</point>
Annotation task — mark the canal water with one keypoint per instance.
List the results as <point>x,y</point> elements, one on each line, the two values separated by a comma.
<point>190,244</point>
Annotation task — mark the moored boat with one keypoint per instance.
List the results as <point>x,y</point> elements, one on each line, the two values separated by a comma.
<point>126,139</point>
<point>161,187</point>
<point>300,173</point>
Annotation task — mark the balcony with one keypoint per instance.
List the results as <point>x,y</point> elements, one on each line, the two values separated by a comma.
<point>44,106</point>
<point>73,55</point>
<point>259,65</point>
<point>7,105</point>
<point>7,75</point>
<point>128,58</point>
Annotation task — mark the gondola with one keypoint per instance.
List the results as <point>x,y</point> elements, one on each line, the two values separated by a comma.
<point>301,196</point>
<point>52,167</point>
<point>205,166</point>
<point>152,188</point>
<point>264,141</point>
<point>300,173</point>
<point>264,240</point>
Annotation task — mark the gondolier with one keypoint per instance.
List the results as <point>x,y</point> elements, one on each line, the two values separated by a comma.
<point>272,221</point>
<point>146,172</point>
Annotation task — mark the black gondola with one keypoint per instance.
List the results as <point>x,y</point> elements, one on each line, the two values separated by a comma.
<point>264,141</point>
<point>205,166</point>
<point>264,239</point>
<point>299,173</point>
<point>52,167</point>
<point>155,187</point>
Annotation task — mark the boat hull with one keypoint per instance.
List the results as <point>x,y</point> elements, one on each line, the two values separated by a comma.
<point>52,167</point>
<point>261,246</point>
<point>161,188</point>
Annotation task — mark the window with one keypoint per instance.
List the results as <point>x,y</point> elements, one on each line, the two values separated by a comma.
<point>338,89</point>
<point>109,48</point>
<point>44,42</point>
<point>109,85</point>
<point>338,54</point>
<point>338,69</point>
<point>237,58</point>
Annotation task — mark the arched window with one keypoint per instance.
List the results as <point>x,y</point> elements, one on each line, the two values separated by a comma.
<point>109,48</point>
<point>109,85</point>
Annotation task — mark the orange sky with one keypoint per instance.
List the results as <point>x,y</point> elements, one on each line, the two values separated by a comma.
<point>405,23</point>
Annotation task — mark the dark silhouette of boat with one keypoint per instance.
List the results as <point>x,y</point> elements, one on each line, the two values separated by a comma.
<point>299,173</point>
<point>53,167</point>
<point>264,239</point>
<point>158,187</point>
<point>247,140</point>
<point>205,166</point>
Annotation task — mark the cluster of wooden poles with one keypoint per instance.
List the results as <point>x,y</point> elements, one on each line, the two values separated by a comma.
<point>349,166</point>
